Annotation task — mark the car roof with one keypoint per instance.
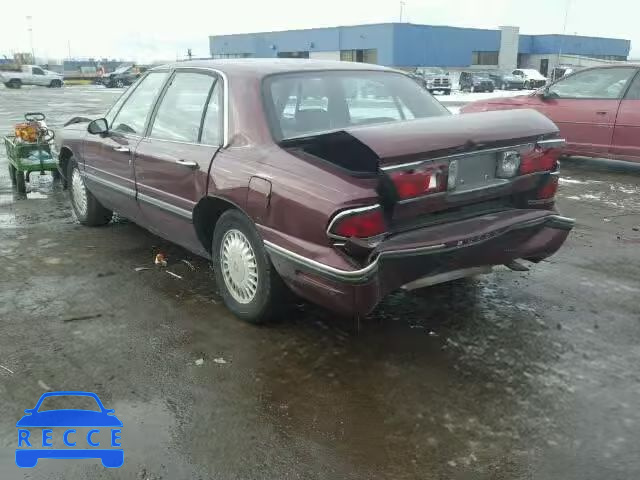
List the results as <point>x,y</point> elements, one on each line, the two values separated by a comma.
<point>261,67</point>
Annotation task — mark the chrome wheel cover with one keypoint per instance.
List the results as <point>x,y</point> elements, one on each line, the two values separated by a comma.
<point>78,193</point>
<point>239,266</point>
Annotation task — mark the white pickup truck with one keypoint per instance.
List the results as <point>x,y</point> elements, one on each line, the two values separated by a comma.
<point>30,75</point>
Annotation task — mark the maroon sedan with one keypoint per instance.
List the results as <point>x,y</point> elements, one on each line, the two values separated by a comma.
<point>340,181</point>
<point>597,111</point>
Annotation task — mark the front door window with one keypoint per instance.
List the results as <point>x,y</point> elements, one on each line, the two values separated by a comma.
<point>604,83</point>
<point>133,115</point>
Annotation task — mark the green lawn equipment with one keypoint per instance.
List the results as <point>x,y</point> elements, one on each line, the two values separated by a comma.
<point>29,150</point>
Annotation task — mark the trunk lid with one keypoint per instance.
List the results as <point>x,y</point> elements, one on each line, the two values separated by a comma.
<point>422,139</point>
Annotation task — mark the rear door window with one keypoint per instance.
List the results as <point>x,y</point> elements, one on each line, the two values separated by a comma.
<point>634,90</point>
<point>212,127</point>
<point>180,112</point>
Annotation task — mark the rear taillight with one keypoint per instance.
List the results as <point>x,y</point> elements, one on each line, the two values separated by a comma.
<point>539,161</point>
<point>420,181</point>
<point>359,223</point>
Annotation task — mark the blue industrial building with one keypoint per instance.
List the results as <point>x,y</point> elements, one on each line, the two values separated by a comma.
<point>410,45</point>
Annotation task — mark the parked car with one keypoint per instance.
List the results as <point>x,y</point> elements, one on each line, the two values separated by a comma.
<point>30,75</point>
<point>436,80</point>
<point>121,77</point>
<point>476,82</point>
<point>532,78</point>
<point>505,80</point>
<point>284,173</point>
<point>596,110</point>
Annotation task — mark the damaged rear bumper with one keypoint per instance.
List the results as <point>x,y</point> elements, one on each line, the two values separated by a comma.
<point>488,240</point>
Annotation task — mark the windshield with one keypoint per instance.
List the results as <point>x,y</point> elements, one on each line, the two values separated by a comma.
<point>301,104</point>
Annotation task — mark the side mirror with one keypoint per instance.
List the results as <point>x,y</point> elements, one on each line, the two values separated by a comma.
<point>98,126</point>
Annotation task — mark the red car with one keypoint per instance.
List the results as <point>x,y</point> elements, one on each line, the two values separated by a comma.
<point>597,111</point>
<point>340,181</point>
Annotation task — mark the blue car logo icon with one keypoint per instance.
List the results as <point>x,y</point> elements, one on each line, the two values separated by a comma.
<point>28,451</point>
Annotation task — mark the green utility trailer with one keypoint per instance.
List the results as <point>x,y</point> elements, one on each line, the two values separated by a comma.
<point>25,158</point>
<point>29,150</point>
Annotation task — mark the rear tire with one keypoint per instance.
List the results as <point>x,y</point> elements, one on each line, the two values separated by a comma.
<point>15,83</point>
<point>89,211</point>
<point>21,186</point>
<point>247,281</point>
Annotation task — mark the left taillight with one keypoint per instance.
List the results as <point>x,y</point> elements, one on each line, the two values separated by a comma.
<point>424,180</point>
<point>359,223</point>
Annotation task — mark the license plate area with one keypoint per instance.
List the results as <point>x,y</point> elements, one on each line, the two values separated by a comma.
<point>477,172</point>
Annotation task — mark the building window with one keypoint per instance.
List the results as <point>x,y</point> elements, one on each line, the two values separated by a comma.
<point>484,58</point>
<point>231,55</point>
<point>293,54</point>
<point>369,55</point>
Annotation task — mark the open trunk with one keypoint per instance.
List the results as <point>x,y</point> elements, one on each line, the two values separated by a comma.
<point>367,149</point>
<point>475,141</point>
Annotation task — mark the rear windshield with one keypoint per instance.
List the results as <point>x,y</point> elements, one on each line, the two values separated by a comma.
<point>302,104</point>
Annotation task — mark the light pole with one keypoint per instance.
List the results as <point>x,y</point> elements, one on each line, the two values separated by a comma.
<point>564,31</point>
<point>402,4</point>
<point>30,30</point>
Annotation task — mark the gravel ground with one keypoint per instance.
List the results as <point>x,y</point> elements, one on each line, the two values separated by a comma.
<point>510,376</point>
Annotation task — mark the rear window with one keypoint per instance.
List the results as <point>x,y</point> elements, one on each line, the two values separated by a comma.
<point>302,104</point>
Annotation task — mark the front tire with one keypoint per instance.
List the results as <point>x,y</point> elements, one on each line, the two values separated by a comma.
<point>12,174</point>
<point>21,186</point>
<point>55,84</point>
<point>527,85</point>
<point>247,281</point>
<point>89,211</point>
<point>119,83</point>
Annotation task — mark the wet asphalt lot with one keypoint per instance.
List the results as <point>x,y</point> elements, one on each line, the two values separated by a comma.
<point>511,376</point>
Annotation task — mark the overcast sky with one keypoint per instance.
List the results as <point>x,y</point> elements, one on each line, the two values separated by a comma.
<point>145,30</point>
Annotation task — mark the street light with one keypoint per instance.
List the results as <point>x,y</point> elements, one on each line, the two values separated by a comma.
<point>30,30</point>
<point>564,31</point>
<point>402,4</point>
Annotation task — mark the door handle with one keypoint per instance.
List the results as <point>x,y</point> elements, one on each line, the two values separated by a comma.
<point>601,113</point>
<point>187,163</point>
<point>122,149</point>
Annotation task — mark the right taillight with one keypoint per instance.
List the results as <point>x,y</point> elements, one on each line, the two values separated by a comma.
<point>539,160</point>
<point>549,189</point>
<point>359,223</point>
